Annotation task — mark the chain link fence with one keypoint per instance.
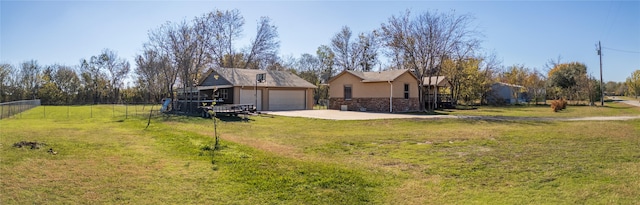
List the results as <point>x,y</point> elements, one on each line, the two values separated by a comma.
<point>76,111</point>
<point>11,109</point>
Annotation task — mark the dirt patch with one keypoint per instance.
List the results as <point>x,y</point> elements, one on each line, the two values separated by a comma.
<point>33,145</point>
<point>30,145</point>
<point>279,149</point>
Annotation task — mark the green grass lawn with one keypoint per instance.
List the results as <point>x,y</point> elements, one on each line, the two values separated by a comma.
<point>283,160</point>
<point>610,109</point>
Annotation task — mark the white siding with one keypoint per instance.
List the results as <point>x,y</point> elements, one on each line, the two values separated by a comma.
<point>287,100</point>
<point>249,97</point>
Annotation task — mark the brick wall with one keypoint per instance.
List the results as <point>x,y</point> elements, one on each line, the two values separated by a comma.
<point>375,104</point>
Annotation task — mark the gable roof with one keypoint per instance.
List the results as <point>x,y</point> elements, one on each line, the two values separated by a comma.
<point>247,77</point>
<point>440,81</point>
<point>369,77</point>
<point>507,84</point>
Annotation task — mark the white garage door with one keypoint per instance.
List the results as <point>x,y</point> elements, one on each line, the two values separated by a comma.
<point>286,100</point>
<point>249,97</point>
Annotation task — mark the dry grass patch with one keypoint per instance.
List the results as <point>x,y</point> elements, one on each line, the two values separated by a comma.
<point>572,111</point>
<point>284,160</point>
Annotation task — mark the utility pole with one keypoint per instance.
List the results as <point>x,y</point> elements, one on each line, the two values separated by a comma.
<point>601,83</point>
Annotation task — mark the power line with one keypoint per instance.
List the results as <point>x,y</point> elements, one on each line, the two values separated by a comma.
<point>620,50</point>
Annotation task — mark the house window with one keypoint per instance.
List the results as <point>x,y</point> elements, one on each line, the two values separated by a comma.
<point>406,91</point>
<point>224,94</point>
<point>347,92</point>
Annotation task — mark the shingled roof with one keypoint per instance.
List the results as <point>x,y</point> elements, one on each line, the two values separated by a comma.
<point>381,76</point>
<point>247,77</point>
<point>440,81</point>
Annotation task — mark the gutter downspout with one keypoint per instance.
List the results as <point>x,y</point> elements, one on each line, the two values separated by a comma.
<point>391,97</point>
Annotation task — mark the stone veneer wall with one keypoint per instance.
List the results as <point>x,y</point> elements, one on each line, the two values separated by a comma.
<point>375,104</point>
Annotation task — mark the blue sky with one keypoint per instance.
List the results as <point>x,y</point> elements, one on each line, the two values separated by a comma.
<point>527,33</point>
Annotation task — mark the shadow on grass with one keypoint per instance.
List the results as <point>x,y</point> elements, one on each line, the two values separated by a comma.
<point>436,112</point>
<point>236,118</point>
<point>197,119</point>
<point>508,120</point>
<point>618,107</point>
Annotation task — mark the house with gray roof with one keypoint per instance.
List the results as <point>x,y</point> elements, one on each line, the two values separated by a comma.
<point>383,91</point>
<point>266,89</point>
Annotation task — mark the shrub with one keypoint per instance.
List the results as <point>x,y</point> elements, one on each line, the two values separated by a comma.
<point>555,105</point>
<point>558,105</point>
<point>563,104</point>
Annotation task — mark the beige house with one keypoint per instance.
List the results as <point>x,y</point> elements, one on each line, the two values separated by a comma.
<point>279,90</point>
<point>385,91</point>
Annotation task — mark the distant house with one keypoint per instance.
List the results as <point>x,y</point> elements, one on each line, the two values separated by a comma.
<point>279,90</point>
<point>504,93</point>
<point>385,91</point>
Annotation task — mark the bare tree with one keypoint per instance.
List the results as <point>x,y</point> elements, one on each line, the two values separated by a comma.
<point>30,78</point>
<point>151,68</point>
<point>224,28</point>
<point>94,80</point>
<point>365,51</point>
<point>489,67</point>
<point>5,82</point>
<point>160,44</point>
<point>552,63</point>
<point>424,41</point>
<point>183,46</point>
<point>117,69</point>
<point>341,47</point>
<point>264,45</point>
<point>326,58</point>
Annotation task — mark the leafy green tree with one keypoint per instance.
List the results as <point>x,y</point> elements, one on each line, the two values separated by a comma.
<point>563,79</point>
<point>633,84</point>
<point>466,78</point>
<point>535,84</point>
<point>49,93</point>
<point>516,75</point>
<point>68,82</point>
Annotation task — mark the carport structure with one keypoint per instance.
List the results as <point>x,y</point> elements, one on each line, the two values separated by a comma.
<point>266,89</point>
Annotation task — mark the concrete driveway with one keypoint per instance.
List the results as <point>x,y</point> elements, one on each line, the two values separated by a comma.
<point>351,115</point>
<point>632,102</point>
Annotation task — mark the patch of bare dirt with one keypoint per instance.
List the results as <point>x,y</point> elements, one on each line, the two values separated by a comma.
<point>268,146</point>
<point>30,145</point>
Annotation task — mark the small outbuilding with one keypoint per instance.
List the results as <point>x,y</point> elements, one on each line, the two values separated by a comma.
<point>506,94</point>
<point>268,90</point>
